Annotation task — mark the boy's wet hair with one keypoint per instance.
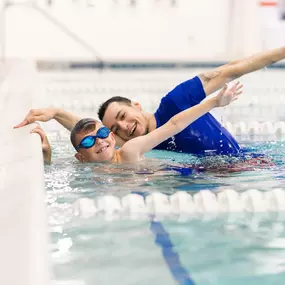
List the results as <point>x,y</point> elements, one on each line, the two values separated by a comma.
<point>105,105</point>
<point>86,125</point>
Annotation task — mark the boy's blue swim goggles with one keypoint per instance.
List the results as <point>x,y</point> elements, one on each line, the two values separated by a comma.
<point>89,141</point>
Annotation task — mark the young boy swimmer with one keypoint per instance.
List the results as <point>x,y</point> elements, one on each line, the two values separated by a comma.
<point>96,143</point>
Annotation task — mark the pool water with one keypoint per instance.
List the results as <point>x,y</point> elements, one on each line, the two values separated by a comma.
<point>213,249</point>
<point>90,179</point>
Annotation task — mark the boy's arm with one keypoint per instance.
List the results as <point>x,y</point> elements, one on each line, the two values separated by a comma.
<point>136,147</point>
<point>66,119</point>
<point>215,79</point>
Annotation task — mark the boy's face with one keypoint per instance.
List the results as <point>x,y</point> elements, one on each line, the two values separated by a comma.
<point>126,121</point>
<point>102,150</point>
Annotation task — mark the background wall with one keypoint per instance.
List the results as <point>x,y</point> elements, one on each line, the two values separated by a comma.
<point>127,30</point>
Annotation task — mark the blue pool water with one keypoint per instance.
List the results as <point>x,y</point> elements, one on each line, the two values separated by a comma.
<point>207,250</point>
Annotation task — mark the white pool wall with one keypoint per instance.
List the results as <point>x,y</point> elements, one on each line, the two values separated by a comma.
<point>23,220</point>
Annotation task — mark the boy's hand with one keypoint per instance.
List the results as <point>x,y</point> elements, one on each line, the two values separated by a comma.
<point>42,115</point>
<point>229,94</point>
<point>45,144</point>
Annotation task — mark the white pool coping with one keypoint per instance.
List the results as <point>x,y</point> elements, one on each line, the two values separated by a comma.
<point>23,220</point>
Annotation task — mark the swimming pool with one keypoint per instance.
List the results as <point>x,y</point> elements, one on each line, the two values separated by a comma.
<point>204,248</point>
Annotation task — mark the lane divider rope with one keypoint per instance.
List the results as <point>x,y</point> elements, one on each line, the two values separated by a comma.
<point>203,202</point>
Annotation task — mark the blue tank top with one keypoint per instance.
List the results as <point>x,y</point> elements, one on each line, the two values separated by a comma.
<point>205,135</point>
